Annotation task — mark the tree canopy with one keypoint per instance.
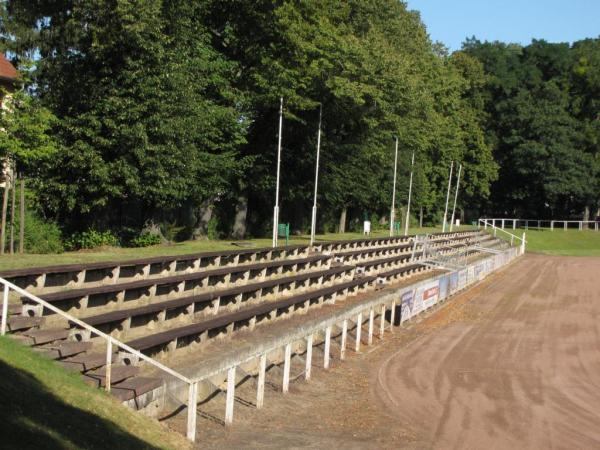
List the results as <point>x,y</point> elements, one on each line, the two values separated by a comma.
<point>165,112</point>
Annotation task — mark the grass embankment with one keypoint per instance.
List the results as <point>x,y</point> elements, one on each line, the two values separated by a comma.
<point>44,406</point>
<point>8,262</point>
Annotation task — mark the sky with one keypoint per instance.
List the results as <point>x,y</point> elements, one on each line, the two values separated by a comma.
<point>518,21</point>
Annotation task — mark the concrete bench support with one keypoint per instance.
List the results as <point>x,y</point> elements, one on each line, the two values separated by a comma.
<point>230,396</point>
<point>286,368</point>
<point>327,347</point>
<point>309,344</point>
<point>260,390</point>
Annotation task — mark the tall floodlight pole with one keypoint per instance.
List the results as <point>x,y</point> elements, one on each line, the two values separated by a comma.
<point>313,223</point>
<point>412,165</point>
<point>276,208</point>
<point>447,197</point>
<point>455,196</point>
<point>394,192</point>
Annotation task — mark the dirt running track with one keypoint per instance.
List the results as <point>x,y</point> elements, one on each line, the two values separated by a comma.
<point>514,363</point>
<point>525,374</point>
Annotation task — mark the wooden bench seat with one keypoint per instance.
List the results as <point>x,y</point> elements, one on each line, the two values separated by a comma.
<point>210,298</point>
<point>204,279</point>
<point>196,329</point>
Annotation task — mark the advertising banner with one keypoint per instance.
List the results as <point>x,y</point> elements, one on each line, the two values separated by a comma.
<point>418,301</point>
<point>431,294</point>
<point>406,301</point>
<point>453,283</point>
<point>444,281</point>
<point>462,278</point>
<point>470,274</point>
<point>478,271</point>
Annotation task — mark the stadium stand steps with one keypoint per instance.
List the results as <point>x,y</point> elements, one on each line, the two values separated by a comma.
<point>221,308</point>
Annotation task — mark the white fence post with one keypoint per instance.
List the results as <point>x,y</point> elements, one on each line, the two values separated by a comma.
<point>393,316</point>
<point>344,337</point>
<point>4,309</point>
<point>260,389</point>
<point>230,396</point>
<point>382,321</point>
<point>286,368</point>
<point>191,413</point>
<point>327,347</point>
<point>371,320</point>
<point>308,367</point>
<point>358,330</point>
<point>107,374</point>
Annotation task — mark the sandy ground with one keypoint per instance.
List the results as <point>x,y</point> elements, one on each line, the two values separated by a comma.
<point>512,363</point>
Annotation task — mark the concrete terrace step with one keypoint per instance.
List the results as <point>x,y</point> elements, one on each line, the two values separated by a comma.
<point>65,349</point>
<point>134,387</point>
<point>97,378</point>
<point>45,336</point>
<point>84,362</point>
<point>16,323</point>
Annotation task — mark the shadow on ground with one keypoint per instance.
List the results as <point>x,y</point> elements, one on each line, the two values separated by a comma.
<point>31,417</point>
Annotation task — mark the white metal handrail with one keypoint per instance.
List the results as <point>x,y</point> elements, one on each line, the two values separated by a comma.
<point>512,236</point>
<point>110,341</point>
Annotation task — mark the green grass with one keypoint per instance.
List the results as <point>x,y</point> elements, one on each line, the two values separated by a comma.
<point>8,262</point>
<point>44,406</point>
<point>561,242</point>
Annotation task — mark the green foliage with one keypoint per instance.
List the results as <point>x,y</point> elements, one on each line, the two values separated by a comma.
<point>145,240</point>
<point>212,231</point>
<point>541,117</point>
<point>41,236</point>
<point>26,130</point>
<point>91,239</point>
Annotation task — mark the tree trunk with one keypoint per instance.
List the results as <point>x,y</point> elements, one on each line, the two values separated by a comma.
<point>342,228</point>
<point>22,217</point>
<point>421,218</point>
<point>205,212</point>
<point>4,208</point>
<point>586,217</point>
<point>12,213</point>
<point>239,224</point>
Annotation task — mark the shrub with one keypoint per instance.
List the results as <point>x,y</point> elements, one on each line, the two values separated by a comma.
<point>91,239</point>
<point>41,236</point>
<point>145,240</point>
<point>212,228</point>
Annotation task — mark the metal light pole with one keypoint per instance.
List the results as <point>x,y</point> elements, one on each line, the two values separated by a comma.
<point>412,165</point>
<point>313,223</point>
<point>447,197</point>
<point>276,208</point>
<point>455,196</point>
<point>394,192</point>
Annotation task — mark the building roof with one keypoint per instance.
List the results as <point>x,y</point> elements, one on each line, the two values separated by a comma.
<point>7,70</point>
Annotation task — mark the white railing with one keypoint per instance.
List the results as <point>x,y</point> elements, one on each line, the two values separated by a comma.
<point>110,342</point>
<point>541,223</point>
<point>486,223</point>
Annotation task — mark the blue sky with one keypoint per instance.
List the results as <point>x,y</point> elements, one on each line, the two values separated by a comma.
<point>451,21</point>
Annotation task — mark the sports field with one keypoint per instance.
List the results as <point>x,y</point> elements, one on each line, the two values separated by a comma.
<point>511,363</point>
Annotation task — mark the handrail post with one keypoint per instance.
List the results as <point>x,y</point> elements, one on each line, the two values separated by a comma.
<point>108,364</point>
<point>191,414</point>
<point>4,309</point>
<point>523,244</point>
